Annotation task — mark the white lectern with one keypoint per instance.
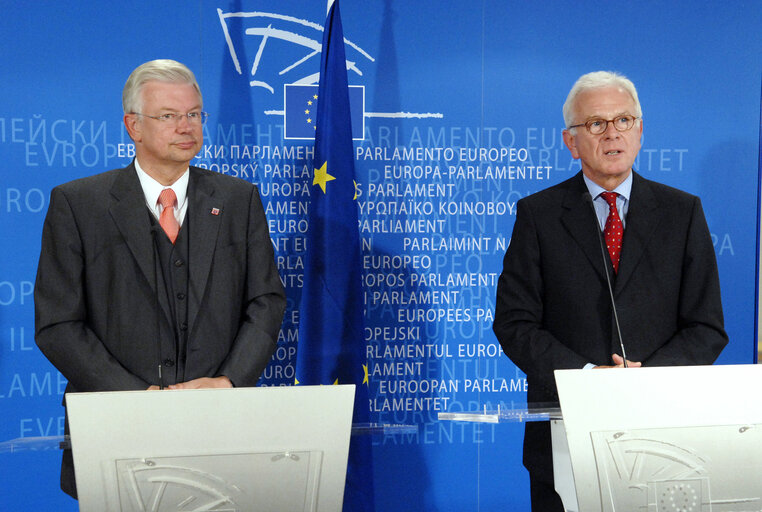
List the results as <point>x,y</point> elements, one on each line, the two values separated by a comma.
<point>677,439</point>
<point>244,449</point>
<point>664,439</point>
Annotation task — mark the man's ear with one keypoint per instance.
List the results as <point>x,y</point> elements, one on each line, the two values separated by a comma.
<point>571,142</point>
<point>133,126</point>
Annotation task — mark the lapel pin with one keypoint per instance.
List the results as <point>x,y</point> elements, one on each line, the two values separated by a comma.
<point>215,211</point>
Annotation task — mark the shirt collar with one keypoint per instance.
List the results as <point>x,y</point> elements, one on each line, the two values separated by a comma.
<point>624,189</point>
<point>152,188</point>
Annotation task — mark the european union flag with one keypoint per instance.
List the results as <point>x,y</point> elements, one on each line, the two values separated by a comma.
<point>300,112</point>
<point>331,339</point>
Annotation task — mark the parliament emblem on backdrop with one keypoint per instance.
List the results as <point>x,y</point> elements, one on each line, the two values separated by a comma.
<point>275,52</point>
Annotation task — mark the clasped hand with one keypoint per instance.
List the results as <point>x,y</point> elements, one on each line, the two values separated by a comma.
<point>202,383</point>
<point>619,363</point>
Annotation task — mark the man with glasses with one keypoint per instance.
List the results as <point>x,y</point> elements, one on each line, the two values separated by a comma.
<point>160,275</point>
<point>553,308</point>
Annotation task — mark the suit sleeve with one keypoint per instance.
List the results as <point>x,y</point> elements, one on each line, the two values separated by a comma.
<point>701,334</point>
<point>61,323</point>
<point>265,303</point>
<point>519,309</point>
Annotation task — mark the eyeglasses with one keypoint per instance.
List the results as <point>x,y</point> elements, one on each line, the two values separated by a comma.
<point>172,118</point>
<point>597,125</point>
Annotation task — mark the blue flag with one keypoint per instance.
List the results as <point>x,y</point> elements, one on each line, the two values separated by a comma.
<point>300,115</point>
<point>331,346</point>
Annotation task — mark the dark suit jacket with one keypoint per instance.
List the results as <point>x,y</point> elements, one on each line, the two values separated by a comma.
<point>96,314</point>
<point>553,309</point>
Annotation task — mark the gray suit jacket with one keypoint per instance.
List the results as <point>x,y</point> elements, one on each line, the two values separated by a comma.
<point>553,309</point>
<point>97,317</point>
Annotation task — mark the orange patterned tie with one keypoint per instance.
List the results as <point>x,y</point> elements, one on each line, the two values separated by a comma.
<point>167,220</point>
<point>614,229</point>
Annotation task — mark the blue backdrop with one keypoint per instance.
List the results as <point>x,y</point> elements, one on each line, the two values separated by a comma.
<point>459,110</point>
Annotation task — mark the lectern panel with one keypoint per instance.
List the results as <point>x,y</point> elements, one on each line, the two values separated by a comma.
<point>231,483</point>
<point>682,438</point>
<point>697,469</point>
<point>243,449</point>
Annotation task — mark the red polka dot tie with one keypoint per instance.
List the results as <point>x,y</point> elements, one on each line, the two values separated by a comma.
<point>614,230</point>
<point>168,199</point>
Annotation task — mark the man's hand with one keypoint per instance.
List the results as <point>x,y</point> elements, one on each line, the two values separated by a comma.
<point>203,383</point>
<point>619,363</point>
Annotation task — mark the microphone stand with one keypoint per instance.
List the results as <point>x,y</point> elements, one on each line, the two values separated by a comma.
<point>157,269</point>
<point>606,261</point>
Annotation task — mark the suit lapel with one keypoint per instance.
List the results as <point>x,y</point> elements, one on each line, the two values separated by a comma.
<point>128,211</point>
<point>642,218</point>
<point>205,212</point>
<point>579,219</point>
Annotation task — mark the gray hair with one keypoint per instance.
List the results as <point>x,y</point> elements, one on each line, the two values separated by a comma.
<point>597,80</point>
<point>161,70</point>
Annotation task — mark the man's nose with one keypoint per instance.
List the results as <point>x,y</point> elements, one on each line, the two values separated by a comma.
<point>184,124</point>
<point>610,132</point>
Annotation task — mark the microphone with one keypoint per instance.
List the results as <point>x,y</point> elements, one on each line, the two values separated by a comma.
<point>606,265</point>
<point>157,304</point>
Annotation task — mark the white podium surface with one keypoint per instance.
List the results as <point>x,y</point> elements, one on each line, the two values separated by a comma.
<point>665,439</point>
<point>243,449</point>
